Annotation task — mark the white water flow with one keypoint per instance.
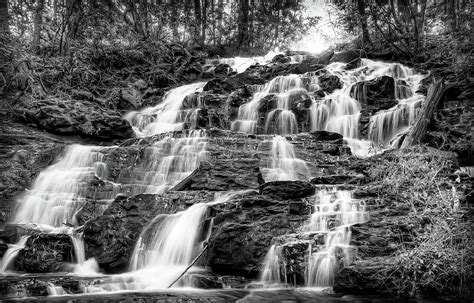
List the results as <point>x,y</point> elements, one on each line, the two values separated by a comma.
<point>335,211</point>
<point>55,290</point>
<point>8,260</point>
<point>273,267</point>
<point>273,107</point>
<point>169,115</point>
<point>283,163</point>
<point>285,90</point>
<point>56,193</point>
<point>339,111</point>
<point>166,246</point>
<point>170,160</point>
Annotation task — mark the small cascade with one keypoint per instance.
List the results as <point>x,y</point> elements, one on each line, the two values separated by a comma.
<point>280,120</point>
<point>274,107</point>
<point>79,249</point>
<point>166,246</point>
<point>8,260</point>
<point>170,160</point>
<point>167,116</point>
<point>283,163</point>
<point>272,267</point>
<point>55,290</point>
<point>335,212</point>
<point>56,194</point>
<point>158,245</point>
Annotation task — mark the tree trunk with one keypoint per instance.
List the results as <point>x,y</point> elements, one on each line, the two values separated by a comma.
<point>220,17</point>
<point>418,130</point>
<point>243,25</point>
<point>4,18</point>
<point>205,4</point>
<point>197,21</point>
<point>363,22</point>
<point>37,25</point>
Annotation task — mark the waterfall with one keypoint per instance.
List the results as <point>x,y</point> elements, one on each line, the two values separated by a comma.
<point>286,90</point>
<point>9,256</point>
<point>273,106</point>
<point>158,244</point>
<point>272,265</point>
<point>283,163</point>
<point>169,115</point>
<point>56,193</point>
<point>170,160</point>
<point>55,290</point>
<point>335,211</point>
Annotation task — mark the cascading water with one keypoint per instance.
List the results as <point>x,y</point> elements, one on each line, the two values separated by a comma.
<point>55,290</point>
<point>338,111</point>
<point>281,120</point>
<point>56,194</point>
<point>335,212</point>
<point>10,254</point>
<point>170,160</point>
<point>283,163</point>
<point>272,268</point>
<point>169,115</point>
<point>167,245</point>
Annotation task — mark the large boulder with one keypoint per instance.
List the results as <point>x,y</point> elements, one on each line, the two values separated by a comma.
<point>376,94</point>
<point>45,253</point>
<point>283,190</point>
<point>243,231</point>
<point>76,117</point>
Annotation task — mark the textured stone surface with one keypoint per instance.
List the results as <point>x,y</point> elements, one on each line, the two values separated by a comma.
<point>45,253</point>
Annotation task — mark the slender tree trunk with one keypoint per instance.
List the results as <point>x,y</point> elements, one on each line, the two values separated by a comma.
<point>37,25</point>
<point>197,20</point>
<point>220,17</point>
<point>363,22</point>
<point>243,25</point>
<point>205,4</point>
<point>4,18</point>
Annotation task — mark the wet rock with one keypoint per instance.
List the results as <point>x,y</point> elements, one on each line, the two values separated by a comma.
<point>242,234</point>
<point>45,253</point>
<point>223,175</point>
<point>74,117</point>
<point>329,83</point>
<point>377,94</point>
<point>280,58</point>
<point>355,280</point>
<point>339,179</point>
<point>348,56</point>
<point>283,190</point>
<point>3,248</point>
<point>322,135</point>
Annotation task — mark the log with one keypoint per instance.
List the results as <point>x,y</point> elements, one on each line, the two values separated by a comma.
<point>417,131</point>
<point>206,245</point>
